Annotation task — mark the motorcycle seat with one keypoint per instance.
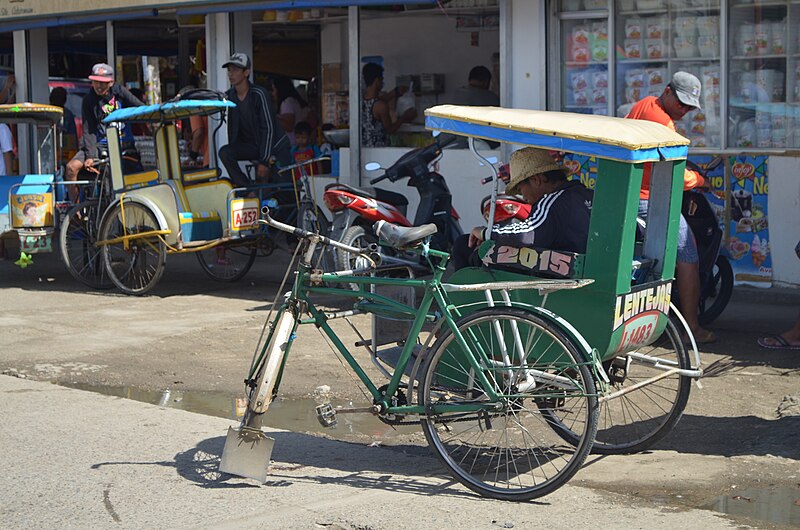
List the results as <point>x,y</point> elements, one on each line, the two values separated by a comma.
<point>401,236</point>
<point>395,199</point>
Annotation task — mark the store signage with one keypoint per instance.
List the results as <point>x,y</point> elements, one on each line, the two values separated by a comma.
<point>10,9</point>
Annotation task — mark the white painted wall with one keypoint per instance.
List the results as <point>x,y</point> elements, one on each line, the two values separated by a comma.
<point>413,45</point>
<point>784,219</point>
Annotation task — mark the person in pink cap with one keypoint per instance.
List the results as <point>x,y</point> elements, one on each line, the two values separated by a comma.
<point>105,97</point>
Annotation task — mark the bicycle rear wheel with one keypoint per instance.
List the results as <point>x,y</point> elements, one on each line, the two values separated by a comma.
<point>511,453</point>
<point>228,262</point>
<point>635,421</point>
<point>77,238</point>
<point>135,267</point>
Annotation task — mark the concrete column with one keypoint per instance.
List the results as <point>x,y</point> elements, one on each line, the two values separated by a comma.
<point>218,50</point>
<point>526,71</point>
<point>242,33</point>
<point>111,45</point>
<point>31,72</point>
<point>354,84</point>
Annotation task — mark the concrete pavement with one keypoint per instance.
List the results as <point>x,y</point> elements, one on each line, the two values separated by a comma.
<point>79,459</point>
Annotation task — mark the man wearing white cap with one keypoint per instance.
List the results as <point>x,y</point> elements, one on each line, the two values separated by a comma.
<point>559,218</point>
<point>680,96</point>
<point>105,97</point>
<point>253,130</point>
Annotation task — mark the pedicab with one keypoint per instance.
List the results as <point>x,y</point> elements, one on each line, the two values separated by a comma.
<point>28,206</point>
<point>171,209</point>
<point>514,375</point>
<point>644,368</point>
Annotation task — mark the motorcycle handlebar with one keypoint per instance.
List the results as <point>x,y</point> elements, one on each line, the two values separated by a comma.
<point>378,179</point>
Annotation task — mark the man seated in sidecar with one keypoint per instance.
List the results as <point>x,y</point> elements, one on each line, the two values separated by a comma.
<point>559,219</point>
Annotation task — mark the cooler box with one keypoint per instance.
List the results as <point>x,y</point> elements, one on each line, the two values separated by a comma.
<point>200,226</point>
<point>30,205</point>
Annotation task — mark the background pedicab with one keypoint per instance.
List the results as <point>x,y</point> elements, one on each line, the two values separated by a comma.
<point>28,206</point>
<point>642,365</point>
<point>172,209</point>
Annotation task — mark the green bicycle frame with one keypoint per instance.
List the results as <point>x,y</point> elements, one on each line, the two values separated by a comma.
<point>306,285</point>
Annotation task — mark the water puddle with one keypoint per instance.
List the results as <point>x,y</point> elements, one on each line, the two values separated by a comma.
<point>777,505</point>
<point>297,415</point>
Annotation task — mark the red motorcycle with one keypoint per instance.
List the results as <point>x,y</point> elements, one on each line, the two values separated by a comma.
<point>355,210</point>
<point>506,206</point>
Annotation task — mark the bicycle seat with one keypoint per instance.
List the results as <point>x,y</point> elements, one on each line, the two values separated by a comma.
<point>401,236</point>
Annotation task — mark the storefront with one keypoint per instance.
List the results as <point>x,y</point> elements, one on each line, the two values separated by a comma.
<point>747,57</point>
<point>591,56</point>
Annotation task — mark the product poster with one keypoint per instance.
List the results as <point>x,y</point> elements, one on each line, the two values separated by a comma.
<point>749,229</point>
<point>583,168</point>
<point>748,244</point>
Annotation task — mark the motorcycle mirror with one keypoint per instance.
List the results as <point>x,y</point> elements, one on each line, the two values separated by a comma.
<point>372,166</point>
<point>436,133</point>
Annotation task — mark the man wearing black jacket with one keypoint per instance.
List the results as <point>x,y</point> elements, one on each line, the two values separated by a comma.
<point>105,97</point>
<point>253,129</point>
<point>559,219</point>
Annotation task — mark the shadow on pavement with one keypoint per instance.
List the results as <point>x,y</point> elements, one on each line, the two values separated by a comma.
<point>735,436</point>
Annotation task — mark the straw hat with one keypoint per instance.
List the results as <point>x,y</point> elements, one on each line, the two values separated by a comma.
<point>528,162</point>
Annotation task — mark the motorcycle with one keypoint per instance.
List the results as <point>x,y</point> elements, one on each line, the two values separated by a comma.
<point>716,273</point>
<point>506,206</point>
<point>355,210</point>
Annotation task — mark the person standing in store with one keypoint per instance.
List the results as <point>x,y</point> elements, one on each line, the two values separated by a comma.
<point>105,97</point>
<point>476,93</point>
<point>253,129</point>
<point>680,96</point>
<point>292,108</point>
<point>376,122</point>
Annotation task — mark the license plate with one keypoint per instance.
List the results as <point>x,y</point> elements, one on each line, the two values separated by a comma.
<point>244,214</point>
<point>35,244</point>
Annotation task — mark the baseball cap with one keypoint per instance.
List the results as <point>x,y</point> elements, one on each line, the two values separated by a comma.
<point>686,88</point>
<point>102,72</point>
<point>238,59</point>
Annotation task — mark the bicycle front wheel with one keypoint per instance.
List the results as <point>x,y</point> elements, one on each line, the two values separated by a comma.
<point>77,238</point>
<point>136,264</point>
<point>511,452</point>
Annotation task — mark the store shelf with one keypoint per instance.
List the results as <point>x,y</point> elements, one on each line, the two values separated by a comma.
<point>758,4</point>
<point>574,64</point>
<point>638,12</point>
<point>696,59</point>
<point>756,57</point>
<point>642,61</point>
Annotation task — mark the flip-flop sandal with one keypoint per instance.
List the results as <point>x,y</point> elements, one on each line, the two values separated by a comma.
<point>776,342</point>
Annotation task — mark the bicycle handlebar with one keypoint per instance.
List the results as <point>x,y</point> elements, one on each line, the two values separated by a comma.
<point>304,163</point>
<point>304,234</point>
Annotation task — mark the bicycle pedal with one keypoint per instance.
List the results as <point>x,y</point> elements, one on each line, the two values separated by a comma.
<point>326,415</point>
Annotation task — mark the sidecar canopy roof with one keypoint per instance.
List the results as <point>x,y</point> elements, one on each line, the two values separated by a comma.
<point>30,113</point>
<point>620,139</point>
<point>170,111</point>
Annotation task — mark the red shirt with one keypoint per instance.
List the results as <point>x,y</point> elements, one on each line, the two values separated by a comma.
<point>650,109</point>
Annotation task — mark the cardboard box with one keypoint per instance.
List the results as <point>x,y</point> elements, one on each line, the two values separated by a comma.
<point>332,77</point>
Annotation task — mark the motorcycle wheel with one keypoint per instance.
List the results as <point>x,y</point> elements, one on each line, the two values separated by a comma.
<point>355,236</point>
<point>715,296</point>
